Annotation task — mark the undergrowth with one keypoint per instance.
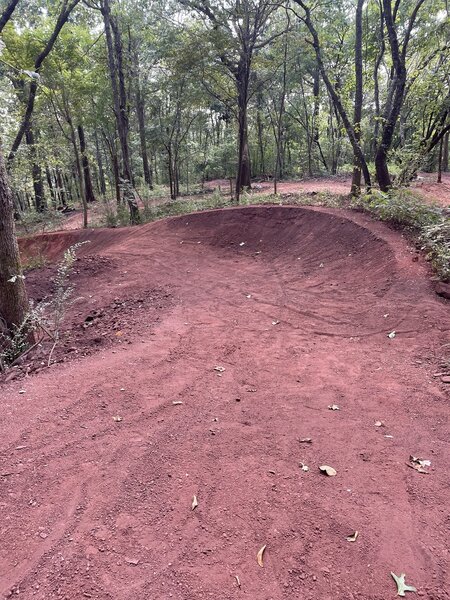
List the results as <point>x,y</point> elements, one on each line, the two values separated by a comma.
<point>43,320</point>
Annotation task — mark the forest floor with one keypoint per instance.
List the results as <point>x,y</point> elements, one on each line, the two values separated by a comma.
<point>201,357</point>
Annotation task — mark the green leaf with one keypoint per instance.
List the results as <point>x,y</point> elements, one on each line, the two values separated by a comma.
<point>402,587</point>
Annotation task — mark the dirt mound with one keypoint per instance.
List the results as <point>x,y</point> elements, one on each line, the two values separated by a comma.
<point>101,457</point>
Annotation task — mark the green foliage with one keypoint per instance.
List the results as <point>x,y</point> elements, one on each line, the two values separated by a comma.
<point>430,225</point>
<point>435,241</point>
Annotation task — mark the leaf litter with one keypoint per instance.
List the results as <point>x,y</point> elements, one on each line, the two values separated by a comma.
<point>402,587</point>
<point>259,556</point>
<point>419,464</point>
<point>327,470</point>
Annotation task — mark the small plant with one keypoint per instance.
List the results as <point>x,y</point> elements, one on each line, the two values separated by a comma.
<point>43,320</point>
<point>34,262</point>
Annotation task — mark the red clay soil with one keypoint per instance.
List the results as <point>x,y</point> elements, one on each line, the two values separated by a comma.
<point>267,316</point>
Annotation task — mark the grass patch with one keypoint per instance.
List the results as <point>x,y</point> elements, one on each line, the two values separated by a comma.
<point>428,225</point>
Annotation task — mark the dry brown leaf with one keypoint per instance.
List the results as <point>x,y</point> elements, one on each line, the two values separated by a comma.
<point>418,468</point>
<point>328,470</point>
<point>259,556</point>
<point>194,502</point>
<point>353,537</point>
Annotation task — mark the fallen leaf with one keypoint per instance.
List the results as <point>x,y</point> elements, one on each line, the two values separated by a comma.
<point>328,470</point>
<point>177,402</point>
<point>333,407</point>
<point>401,585</point>
<point>259,556</point>
<point>420,461</point>
<point>117,419</point>
<point>304,467</point>
<point>194,502</point>
<point>353,537</point>
<point>305,440</point>
<point>392,335</point>
<point>418,468</point>
<point>219,369</point>
<point>238,581</point>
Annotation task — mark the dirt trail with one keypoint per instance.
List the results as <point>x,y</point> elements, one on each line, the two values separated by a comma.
<point>295,304</point>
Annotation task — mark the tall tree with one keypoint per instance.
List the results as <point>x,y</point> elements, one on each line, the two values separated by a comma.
<point>396,92</point>
<point>337,100</point>
<point>13,294</point>
<point>239,31</point>
<point>117,75</point>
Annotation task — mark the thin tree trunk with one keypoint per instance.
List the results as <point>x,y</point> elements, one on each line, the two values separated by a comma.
<point>356,179</point>
<point>89,190</point>
<point>445,153</point>
<point>441,152</point>
<point>115,63</point>
<point>394,106</point>
<point>140,110</point>
<point>101,171</point>
<point>334,95</point>
<point>51,186</point>
<point>79,168</point>
<point>36,171</point>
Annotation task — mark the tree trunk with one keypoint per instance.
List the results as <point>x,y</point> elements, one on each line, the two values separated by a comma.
<point>445,153</point>
<point>36,172</point>
<point>115,63</point>
<point>396,95</point>
<point>140,110</point>
<point>79,168</point>
<point>101,171</point>
<point>51,186</point>
<point>13,295</point>
<point>243,179</point>
<point>356,179</point>
<point>335,96</point>
<point>89,190</point>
